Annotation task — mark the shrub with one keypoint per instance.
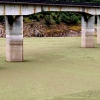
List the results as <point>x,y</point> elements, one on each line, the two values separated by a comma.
<point>49,20</point>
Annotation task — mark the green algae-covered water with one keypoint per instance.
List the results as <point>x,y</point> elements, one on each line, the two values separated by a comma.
<point>53,69</point>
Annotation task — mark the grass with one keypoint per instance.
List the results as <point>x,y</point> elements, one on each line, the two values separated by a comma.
<point>53,69</point>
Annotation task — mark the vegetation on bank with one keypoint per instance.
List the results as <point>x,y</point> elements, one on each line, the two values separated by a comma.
<point>51,24</point>
<point>54,17</point>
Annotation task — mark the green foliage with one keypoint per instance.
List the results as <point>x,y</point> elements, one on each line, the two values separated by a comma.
<point>64,18</point>
<point>73,19</point>
<point>58,21</point>
<point>49,19</point>
<point>70,18</point>
<point>26,19</point>
<point>56,17</point>
<point>96,1</point>
<point>36,16</point>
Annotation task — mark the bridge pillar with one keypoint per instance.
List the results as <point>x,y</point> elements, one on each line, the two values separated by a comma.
<point>87,38</point>
<point>98,29</point>
<point>14,38</point>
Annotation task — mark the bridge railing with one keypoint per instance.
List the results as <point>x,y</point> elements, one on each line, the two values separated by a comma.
<point>71,2</point>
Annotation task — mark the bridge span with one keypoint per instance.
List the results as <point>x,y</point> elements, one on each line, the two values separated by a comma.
<point>14,10</point>
<point>26,8</point>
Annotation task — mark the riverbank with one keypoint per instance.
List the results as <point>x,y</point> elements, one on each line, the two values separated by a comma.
<point>38,29</point>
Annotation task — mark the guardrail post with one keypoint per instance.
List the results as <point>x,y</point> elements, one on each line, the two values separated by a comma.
<point>87,37</point>
<point>14,38</point>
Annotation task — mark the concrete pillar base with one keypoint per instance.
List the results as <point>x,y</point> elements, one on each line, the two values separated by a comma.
<point>14,48</point>
<point>87,38</point>
<point>14,38</point>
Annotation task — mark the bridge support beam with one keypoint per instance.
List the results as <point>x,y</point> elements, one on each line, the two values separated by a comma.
<point>14,38</point>
<point>87,38</point>
<point>98,29</point>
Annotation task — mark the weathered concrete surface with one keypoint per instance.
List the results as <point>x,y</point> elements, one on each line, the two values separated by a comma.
<point>87,38</point>
<point>22,9</point>
<point>98,29</point>
<point>14,38</point>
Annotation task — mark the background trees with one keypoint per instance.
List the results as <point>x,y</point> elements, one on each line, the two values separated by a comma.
<point>56,17</point>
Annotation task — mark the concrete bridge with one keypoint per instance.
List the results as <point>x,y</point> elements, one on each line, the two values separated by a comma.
<point>14,10</point>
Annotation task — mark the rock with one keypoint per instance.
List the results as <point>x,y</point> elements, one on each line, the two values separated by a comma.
<point>36,32</point>
<point>39,29</point>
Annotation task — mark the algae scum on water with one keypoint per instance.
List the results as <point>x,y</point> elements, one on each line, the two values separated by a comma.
<point>53,69</point>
